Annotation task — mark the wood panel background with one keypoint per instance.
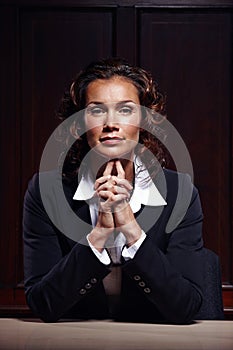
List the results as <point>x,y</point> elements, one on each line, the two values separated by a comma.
<point>187,45</point>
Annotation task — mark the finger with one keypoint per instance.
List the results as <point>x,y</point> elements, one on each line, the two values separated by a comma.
<point>120,198</point>
<point>121,190</point>
<point>111,197</point>
<point>101,180</point>
<point>107,186</point>
<point>113,188</point>
<point>120,170</point>
<point>122,182</point>
<point>108,169</point>
<point>105,194</point>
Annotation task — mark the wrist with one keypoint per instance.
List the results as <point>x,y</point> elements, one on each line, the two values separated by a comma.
<point>132,233</point>
<point>98,237</point>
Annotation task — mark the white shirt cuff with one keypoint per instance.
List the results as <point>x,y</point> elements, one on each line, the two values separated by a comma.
<point>128,253</point>
<point>103,256</point>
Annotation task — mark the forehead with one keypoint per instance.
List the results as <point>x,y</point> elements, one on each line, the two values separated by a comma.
<point>111,90</point>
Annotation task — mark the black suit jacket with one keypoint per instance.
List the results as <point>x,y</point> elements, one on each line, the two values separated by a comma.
<point>162,283</point>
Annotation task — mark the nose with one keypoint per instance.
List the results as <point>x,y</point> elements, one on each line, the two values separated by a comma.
<point>111,119</point>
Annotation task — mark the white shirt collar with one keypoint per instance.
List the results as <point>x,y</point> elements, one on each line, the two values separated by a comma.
<point>145,192</point>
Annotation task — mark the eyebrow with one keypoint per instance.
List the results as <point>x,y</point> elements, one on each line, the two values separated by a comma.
<point>102,103</point>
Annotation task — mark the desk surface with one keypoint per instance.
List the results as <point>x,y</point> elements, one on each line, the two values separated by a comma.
<point>101,335</point>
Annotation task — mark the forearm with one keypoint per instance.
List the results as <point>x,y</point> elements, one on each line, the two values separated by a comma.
<point>175,295</point>
<point>64,285</point>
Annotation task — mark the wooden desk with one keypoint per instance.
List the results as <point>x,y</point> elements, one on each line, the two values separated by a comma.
<point>101,335</point>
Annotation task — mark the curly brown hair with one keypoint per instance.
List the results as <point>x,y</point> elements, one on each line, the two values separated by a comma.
<point>153,113</point>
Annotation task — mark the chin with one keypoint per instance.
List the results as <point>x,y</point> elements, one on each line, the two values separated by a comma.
<point>126,154</point>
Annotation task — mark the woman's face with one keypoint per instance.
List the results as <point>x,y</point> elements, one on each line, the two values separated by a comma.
<point>112,117</point>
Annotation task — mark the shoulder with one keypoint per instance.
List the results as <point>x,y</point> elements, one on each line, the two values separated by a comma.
<point>42,186</point>
<point>33,198</point>
<point>182,198</point>
<point>174,177</point>
<point>173,185</point>
<point>46,198</point>
<point>41,178</point>
<point>49,181</point>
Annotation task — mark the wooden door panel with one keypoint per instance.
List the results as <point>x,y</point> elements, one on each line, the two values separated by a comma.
<point>190,57</point>
<point>52,46</point>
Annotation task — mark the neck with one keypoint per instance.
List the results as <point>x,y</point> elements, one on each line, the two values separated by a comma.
<point>98,165</point>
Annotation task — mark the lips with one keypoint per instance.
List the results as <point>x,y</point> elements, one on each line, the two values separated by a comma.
<point>111,139</point>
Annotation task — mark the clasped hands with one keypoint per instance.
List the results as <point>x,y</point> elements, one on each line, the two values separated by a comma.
<point>115,213</point>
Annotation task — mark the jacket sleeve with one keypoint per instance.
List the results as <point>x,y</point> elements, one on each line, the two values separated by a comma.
<point>172,279</point>
<point>54,282</point>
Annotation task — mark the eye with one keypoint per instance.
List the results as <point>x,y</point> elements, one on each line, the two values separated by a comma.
<point>96,111</point>
<point>125,110</point>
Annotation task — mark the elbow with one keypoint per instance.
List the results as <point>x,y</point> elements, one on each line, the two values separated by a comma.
<point>182,319</point>
<point>187,316</point>
<point>49,318</point>
<point>185,312</point>
<point>41,309</point>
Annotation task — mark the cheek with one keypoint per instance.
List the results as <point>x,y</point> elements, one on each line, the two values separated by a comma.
<point>133,127</point>
<point>132,132</point>
<point>93,136</point>
<point>93,125</point>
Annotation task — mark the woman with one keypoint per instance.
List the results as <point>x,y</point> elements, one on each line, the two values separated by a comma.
<point>128,266</point>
